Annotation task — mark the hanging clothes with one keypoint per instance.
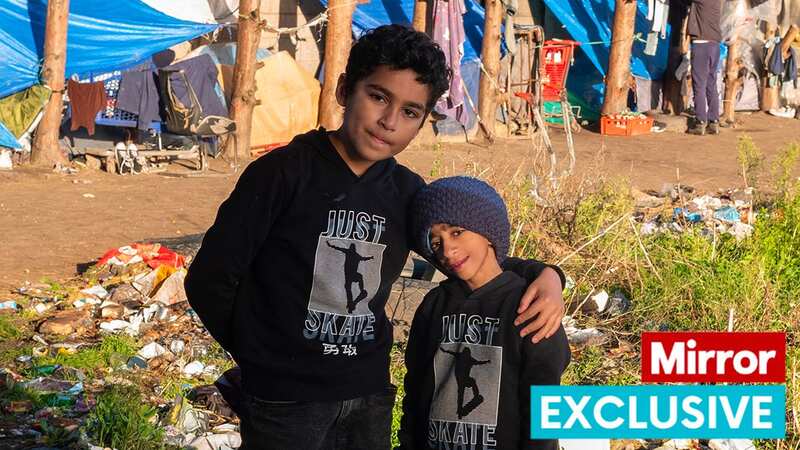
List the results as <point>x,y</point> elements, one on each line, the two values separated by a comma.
<point>658,13</point>
<point>138,95</point>
<point>448,32</point>
<point>139,90</point>
<point>785,69</point>
<point>87,99</point>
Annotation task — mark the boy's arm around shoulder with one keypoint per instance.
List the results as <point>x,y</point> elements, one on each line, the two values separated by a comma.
<point>530,269</point>
<point>230,245</point>
<point>416,361</point>
<point>543,363</point>
<point>542,299</point>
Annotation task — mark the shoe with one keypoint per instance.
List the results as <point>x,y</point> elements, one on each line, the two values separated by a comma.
<point>712,127</point>
<point>698,128</point>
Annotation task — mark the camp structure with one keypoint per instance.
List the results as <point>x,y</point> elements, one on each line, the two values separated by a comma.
<point>111,44</point>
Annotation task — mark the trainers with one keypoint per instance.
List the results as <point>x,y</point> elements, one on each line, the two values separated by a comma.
<point>712,127</point>
<point>698,128</point>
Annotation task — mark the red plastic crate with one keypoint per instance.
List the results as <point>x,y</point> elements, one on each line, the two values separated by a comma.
<point>557,59</point>
<point>625,126</point>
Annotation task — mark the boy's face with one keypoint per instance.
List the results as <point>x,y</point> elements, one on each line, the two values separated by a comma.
<point>467,254</point>
<point>382,114</point>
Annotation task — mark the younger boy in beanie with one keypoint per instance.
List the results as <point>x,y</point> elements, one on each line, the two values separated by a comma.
<point>469,372</point>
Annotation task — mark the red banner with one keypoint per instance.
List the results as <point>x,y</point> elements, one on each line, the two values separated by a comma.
<point>712,357</point>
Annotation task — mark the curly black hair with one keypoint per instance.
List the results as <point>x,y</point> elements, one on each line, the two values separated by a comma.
<point>399,47</point>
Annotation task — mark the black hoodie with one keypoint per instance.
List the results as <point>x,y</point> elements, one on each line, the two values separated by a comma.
<point>469,371</point>
<point>293,276</point>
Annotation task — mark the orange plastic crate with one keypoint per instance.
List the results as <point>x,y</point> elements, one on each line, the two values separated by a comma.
<point>625,126</point>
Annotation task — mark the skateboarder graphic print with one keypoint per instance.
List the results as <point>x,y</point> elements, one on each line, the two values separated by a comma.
<point>467,383</point>
<point>464,363</point>
<point>351,274</point>
<point>347,275</point>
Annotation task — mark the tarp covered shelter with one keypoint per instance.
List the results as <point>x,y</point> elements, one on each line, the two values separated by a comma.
<point>288,100</point>
<point>102,36</point>
<point>376,13</point>
<point>589,22</point>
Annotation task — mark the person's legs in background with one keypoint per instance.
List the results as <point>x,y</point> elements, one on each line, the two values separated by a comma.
<point>700,82</point>
<point>712,94</point>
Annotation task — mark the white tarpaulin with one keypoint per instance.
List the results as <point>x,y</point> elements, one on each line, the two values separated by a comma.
<point>201,11</point>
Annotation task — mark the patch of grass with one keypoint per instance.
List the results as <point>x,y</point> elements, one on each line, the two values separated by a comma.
<point>175,387</point>
<point>750,160</point>
<point>8,328</point>
<point>584,367</point>
<point>57,437</point>
<point>436,167</point>
<point>676,281</point>
<point>19,393</point>
<point>123,421</point>
<point>398,373</point>
<point>217,356</point>
<point>96,356</point>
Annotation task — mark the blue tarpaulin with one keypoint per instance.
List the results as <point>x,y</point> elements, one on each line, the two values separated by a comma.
<point>381,12</point>
<point>6,138</point>
<point>589,21</point>
<point>102,36</point>
<point>586,21</point>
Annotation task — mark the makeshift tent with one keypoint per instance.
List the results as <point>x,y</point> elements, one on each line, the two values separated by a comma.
<point>589,22</point>
<point>18,111</point>
<point>200,11</point>
<point>102,36</point>
<point>376,13</point>
<point>288,97</point>
<point>7,139</point>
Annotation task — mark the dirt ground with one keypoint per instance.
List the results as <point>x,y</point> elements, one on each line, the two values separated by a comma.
<point>49,225</point>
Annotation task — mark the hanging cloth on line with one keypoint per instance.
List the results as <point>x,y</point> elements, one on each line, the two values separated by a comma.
<point>448,32</point>
<point>658,13</point>
<point>87,99</point>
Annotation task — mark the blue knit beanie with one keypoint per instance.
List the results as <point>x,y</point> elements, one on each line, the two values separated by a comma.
<point>464,202</point>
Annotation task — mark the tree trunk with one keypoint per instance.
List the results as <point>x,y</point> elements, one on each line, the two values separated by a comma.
<point>769,95</point>
<point>420,15</point>
<point>338,39</point>
<point>788,38</point>
<point>45,149</point>
<point>244,73</point>
<point>490,54</point>
<point>619,59</point>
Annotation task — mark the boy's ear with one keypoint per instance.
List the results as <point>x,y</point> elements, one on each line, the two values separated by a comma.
<point>341,94</point>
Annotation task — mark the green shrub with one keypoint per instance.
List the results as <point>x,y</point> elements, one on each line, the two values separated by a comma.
<point>121,420</point>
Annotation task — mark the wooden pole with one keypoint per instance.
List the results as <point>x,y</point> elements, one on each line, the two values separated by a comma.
<point>45,149</point>
<point>243,97</point>
<point>490,56</point>
<point>732,80</point>
<point>338,39</point>
<point>619,58</point>
<point>420,15</point>
<point>769,95</point>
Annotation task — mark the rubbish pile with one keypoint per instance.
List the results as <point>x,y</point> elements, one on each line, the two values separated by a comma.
<point>134,294</point>
<point>674,209</point>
